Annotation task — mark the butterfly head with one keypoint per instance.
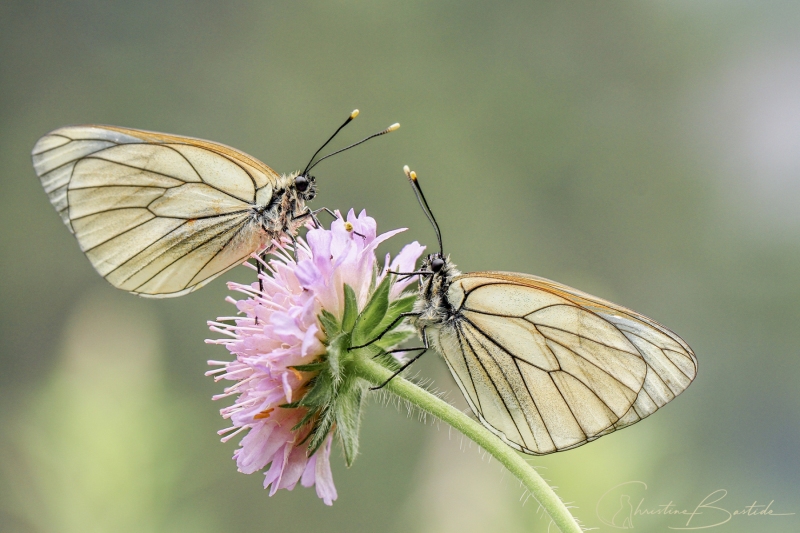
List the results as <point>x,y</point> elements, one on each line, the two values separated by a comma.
<point>437,263</point>
<point>438,267</point>
<point>306,186</point>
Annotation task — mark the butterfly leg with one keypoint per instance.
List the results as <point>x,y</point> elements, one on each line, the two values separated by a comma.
<point>313,215</point>
<point>262,258</point>
<point>406,275</point>
<point>317,223</point>
<point>409,362</point>
<point>259,272</point>
<point>294,248</point>
<point>309,213</point>
<point>331,213</point>
<point>391,326</point>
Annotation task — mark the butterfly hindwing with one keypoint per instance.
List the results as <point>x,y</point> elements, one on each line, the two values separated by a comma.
<point>548,368</point>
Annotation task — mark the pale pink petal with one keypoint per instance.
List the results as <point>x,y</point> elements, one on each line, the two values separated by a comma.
<point>310,471</point>
<point>273,475</point>
<point>287,388</point>
<point>405,261</point>
<point>323,476</point>
<point>258,447</point>
<point>285,327</point>
<point>311,344</point>
<point>293,468</point>
<point>363,224</point>
<point>382,237</point>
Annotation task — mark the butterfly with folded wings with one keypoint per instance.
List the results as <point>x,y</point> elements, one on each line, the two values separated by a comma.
<point>544,366</point>
<point>161,215</point>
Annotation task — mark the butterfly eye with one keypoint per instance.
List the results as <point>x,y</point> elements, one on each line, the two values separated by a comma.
<point>437,264</point>
<point>301,183</point>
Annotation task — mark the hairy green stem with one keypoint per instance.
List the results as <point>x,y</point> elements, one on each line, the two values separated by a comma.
<point>508,457</point>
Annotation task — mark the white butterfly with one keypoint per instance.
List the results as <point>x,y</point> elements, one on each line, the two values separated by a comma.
<point>544,366</point>
<point>161,215</point>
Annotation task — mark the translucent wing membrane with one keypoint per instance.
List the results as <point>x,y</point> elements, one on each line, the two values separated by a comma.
<point>157,215</point>
<point>549,368</point>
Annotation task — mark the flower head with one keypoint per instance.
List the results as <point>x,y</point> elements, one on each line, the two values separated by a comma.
<point>284,346</point>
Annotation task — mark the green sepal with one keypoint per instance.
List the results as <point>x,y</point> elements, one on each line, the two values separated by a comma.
<point>401,305</point>
<point>394,338</point>
<point>373,279</point>
<point>337,351</point>
<point>311,367</point>
<point>309,416</point>
<point>350,308</point>
<point>321,429</point>
<point>348,419</point>
<point>373,314</point>
<point>320,393</point>
<point>396,308</point>
<point>329,324</point>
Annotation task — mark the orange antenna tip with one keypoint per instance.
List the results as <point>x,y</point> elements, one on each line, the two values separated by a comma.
<point>354,114</point>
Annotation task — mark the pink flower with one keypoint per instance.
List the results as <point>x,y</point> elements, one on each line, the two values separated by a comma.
<point>278,329</point>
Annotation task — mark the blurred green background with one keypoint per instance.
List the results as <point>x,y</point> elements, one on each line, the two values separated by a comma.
<point>646,152</point>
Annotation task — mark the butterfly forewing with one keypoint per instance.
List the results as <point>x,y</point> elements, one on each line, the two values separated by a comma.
<point>158,215</point>
<point>548,368</point>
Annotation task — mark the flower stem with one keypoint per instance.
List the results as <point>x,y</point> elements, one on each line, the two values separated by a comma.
<point>508,457</point>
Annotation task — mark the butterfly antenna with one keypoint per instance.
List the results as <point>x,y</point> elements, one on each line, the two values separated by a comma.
<point>423,203</point>
<point>353,115</point>
<point>382,132</point>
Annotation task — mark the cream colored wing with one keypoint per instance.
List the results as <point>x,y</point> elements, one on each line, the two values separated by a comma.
<point>157,215</point>
<point>549,368</point>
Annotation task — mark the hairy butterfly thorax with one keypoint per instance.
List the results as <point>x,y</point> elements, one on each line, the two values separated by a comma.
<point>433,305</point>
<point>285,210</point>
